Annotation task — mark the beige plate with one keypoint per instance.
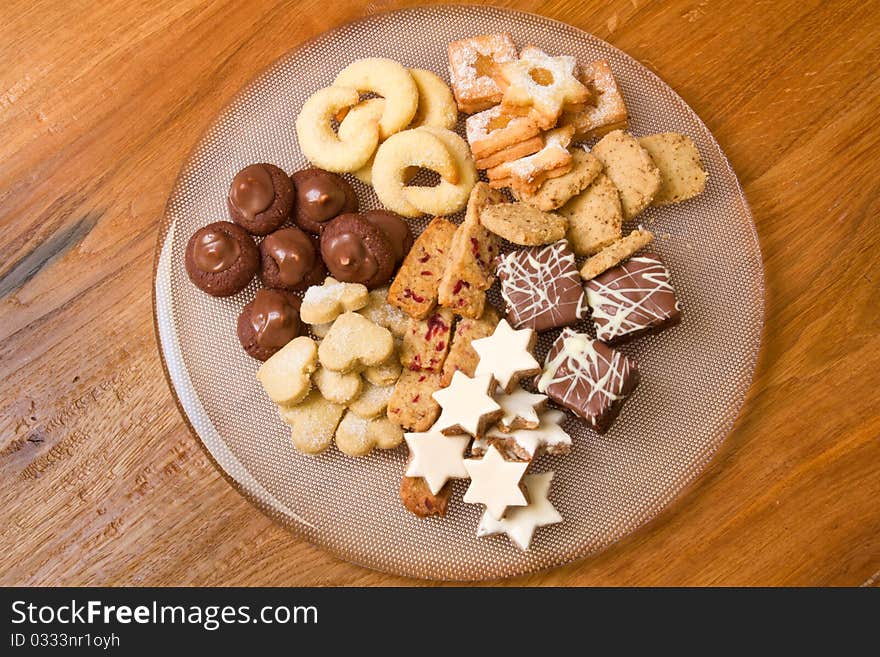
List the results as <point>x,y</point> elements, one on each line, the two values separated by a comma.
<point>694,376</point>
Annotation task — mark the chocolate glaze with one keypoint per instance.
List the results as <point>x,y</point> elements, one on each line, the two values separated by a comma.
<point>347,253</point>
<point>395,228</point>
<point>275,321</point>
<point>215,251</point>
<point>294,253</point>
<point>321,196</point>
<point>252,191</point>
<point>588,378</point>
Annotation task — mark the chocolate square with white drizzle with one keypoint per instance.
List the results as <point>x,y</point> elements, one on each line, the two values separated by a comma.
<point>632,299</point>
<point>588,377</point>
<point>541,287</point>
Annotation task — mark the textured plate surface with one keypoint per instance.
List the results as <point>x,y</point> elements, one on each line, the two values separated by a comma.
<point>694,376</point>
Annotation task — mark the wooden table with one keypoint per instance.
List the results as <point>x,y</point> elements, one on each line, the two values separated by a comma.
<point>103,484</point>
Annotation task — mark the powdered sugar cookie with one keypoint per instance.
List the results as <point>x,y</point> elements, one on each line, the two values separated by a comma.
<point>323,147</point>
<point>286,376</point>
<point>323,303</point>
<point>528,173</point>
<point>372,402</point>
<point>473,64</point>
<point>494,130</point>
<point>357,436</point>
<point>312,422</point>
<point>380,312</point>
<point>354,343</point>
<point>336,387</point>
<point>388,79</point>
<point>543,82</point>
<point>604,111</point>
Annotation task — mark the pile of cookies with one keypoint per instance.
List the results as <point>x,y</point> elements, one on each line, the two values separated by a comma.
<point>385,141</point>
<point>338,385</point>
<point>399,342</point>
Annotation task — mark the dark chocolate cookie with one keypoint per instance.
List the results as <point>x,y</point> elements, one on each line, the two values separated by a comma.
<point>321,196</point>
<point>356,251</point>
<point>269,322</point>
<point>221,258</point>
<point>291,260</point>
<point>396,228</point>
<point>261,198</point>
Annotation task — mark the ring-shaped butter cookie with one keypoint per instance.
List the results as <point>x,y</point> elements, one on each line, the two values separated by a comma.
<point>395,157</point>
<point>390,80</point>
<point>321,145</point>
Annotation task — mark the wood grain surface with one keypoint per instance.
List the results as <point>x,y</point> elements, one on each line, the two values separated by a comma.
<point>102,483</point>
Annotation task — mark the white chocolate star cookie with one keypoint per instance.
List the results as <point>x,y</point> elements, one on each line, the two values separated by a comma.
<point>507,355</point>
<point>526,444</point>
<point>495,482</point>
<point>521,409</point>
<point>520,523</point>
<point>436,457</point>
<point>467,405</point>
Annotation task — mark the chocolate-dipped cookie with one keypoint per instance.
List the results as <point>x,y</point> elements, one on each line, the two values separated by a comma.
<point>396,228</point>
<point>290,260</point>
<point>356,251</point>
<point>320,197</point>
<point>269,322</point>
<point>261,198</point>
<point>221,258</point>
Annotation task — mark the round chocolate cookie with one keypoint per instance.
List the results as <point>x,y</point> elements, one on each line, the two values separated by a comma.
<point>396,228</point>
<point>356,251</point>
<point>321,196</point>
<point>269,322</point>
<point>221,258</point>
<point>290,260</point>
<point>261,198</point>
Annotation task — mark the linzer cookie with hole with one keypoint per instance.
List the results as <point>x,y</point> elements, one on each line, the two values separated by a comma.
<point>473,63</point>
<point>604,111</point>
<point>414,289</point>
<point>541,288</point>
<point>426,341</point>
<point>541,82</point>
<point>494,130</point>
<point>412,405</point>
<point>472,252</point>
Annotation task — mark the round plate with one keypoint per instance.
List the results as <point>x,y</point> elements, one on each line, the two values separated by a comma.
<point>694,376</point>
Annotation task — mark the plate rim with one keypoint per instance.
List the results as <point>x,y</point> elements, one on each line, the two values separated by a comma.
<point>297,527</point>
